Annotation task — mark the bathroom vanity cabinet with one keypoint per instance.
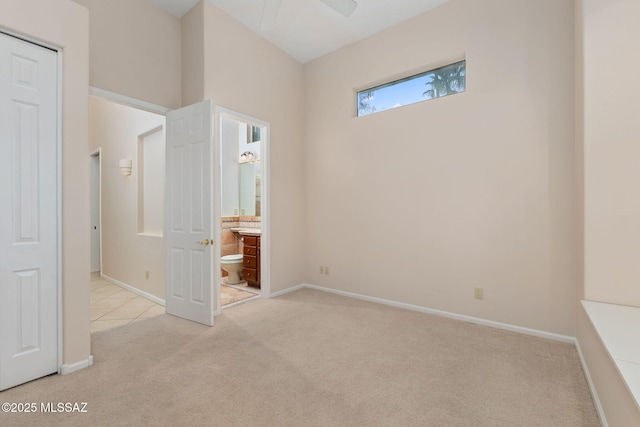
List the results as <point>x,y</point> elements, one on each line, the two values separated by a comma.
<point>251,260</point>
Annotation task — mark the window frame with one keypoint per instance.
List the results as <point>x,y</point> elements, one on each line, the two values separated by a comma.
<point>405,77</point>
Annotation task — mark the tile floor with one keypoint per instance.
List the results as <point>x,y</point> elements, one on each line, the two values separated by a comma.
<point>113,306</point>
<point>230,294</point>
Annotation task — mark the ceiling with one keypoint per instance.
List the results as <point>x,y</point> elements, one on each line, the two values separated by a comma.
<point>308,29</point>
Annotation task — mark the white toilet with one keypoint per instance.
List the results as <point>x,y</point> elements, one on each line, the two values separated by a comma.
<point>232,264</point>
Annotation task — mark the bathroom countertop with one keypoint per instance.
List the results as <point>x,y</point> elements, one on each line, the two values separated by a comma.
<point>248,231</point>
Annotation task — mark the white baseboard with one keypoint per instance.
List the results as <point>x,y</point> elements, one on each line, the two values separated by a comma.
<point>69,368</point>
<point>134,290</point>
<point>286,291</point>
<point>475,320</point>
<point>592,387</point>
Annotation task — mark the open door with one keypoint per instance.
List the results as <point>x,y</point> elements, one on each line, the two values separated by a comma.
<point>189,232</point>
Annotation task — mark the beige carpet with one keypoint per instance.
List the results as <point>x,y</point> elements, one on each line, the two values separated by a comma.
<point>315,359</point>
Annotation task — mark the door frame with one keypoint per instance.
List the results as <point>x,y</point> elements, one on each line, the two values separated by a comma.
<point>59,201</point>
<point>98,154</point>
<point>265,200</point>
<point>59,138</point>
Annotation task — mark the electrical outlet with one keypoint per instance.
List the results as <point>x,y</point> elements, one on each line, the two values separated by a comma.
<point>146,274</point>
<point>322,269</point>
<point>326,270</point>
<point>478,293</point>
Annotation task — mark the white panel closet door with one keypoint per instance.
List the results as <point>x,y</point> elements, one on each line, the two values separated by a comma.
<point>28,212</point>
<point>189,230</point>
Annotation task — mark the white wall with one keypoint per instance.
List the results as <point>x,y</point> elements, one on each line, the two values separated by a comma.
<point>421,204</point>
<point>192,45</point>
<point>126,254</point>
<point>611,129</point>
<point>151,149</point>
<point>64,24</point>
<point>135,50</point>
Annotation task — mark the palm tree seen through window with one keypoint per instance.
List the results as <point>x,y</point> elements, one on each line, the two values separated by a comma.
<point>443,81</point>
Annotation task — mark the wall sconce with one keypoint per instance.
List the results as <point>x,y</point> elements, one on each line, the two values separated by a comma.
<point>247,156</point>
<point>125,166</point>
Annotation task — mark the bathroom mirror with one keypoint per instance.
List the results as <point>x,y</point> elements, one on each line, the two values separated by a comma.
<point>250,189</point>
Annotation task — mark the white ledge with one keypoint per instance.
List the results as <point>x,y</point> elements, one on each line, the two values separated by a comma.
<point>617,326</point>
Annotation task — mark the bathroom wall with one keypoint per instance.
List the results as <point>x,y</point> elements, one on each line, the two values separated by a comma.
<point>126,254</point>
<point>231,241</point>
<point>245,145</point>
<point>135,50</point>
<point>65,24</point>
<point>230,139</point>
<point>423,203</point>
<point>250,221</point>
<point>233,142</point>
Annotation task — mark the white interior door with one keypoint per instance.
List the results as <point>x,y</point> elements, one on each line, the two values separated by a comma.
<point>28,212</point>
<point>189,232</point>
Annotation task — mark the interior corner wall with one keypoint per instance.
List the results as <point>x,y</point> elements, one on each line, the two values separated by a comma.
<point>422,204</point>
<point>135,50</point>
<point>126,254</point>
<point>611,129</point>
<point>246,74</point>
<point>579,141</point>
<point>193,55</point>
<point>606,145</point>
<point>64,24</point>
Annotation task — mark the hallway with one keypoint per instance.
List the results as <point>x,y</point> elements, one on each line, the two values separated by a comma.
<point>113,306</point>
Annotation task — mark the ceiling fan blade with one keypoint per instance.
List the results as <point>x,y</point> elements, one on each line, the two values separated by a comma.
<point>343,7</point>
<point>270,14</point>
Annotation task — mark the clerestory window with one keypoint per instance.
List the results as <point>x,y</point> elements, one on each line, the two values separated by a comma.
<point>443,81</point>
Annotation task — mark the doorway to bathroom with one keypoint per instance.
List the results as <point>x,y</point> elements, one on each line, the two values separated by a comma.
<point>243,207</point>
<point>139,265</point>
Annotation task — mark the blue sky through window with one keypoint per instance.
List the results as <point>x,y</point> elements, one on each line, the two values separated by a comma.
<point>408,92</point>
<point>411,90</point>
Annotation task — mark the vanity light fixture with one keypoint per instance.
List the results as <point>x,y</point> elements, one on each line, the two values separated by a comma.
<point>125,166</point>
<point>247,156</point>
